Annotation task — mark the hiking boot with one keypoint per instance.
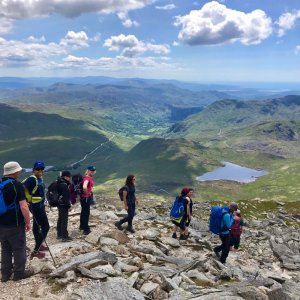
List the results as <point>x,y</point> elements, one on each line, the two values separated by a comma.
<point>44,248</point>
<point>87,232</point>
<point>174,236</point>
<point>38,254</point>
<point>217,253</point>
<point>67,239</point>
<point>25,275</point>
<point>5,278</point>
<point>130,229</point>
<point>58,237</point>
<point>183,237</point>
<point>119,226</point>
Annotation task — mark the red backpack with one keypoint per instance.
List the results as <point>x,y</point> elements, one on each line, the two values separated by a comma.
<point>235,228</point>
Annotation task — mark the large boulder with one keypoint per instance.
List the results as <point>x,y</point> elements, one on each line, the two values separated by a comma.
<point>289,291</point>
<point>106,291</point>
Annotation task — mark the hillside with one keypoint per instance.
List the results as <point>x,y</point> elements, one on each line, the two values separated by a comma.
<point>225,114</point>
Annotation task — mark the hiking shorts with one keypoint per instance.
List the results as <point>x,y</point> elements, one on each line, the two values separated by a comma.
<point>181,225</point>
<point>235,241</point>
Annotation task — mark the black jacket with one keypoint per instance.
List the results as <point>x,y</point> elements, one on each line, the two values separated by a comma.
<point>64,192</point>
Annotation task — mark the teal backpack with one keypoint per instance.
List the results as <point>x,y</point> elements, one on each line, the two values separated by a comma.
<point>177,209</point>
<point>3,207</point>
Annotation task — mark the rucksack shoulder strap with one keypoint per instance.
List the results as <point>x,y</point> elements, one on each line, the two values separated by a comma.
<point>3,183</point>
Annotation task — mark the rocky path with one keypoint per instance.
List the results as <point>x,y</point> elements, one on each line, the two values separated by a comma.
<point>110,264</point>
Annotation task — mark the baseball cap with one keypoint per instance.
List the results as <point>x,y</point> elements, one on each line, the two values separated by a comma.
<point>185,190</point>
<point>234,206</point>
<point>11,168</point>
<point>91,168</point>
<point>66,173</point>
<point>38,164</point>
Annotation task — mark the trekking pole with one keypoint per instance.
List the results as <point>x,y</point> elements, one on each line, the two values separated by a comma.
<point>43,238</point>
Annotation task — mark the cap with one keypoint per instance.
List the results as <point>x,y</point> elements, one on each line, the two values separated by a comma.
<point>38,164</point>
<point>234,206</point>
<point>66,174</point>
<point>91,168</point>
<point>185,191</point>
<point>11,168</point>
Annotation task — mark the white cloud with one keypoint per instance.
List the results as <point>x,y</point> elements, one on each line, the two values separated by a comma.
<point>96,38</point>
<point>112,64</point>
<point>126,20</point>
<point>24,9</point>
<point>5,25</point>
<point>36,40</point>
<point>287,22</point>
<point>76,39</point>
<point>176,44</point>
<point>133,47</point>
<point>215,24</point>
<point>297,51</point>
<point>166,7</point>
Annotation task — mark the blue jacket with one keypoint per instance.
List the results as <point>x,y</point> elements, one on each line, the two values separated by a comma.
<point>227,219</point>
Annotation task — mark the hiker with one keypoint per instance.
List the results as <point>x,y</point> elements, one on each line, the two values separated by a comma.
<point>86,199</point>
<point>64,206</point>
<point>130,201</point>
<point>236,230</point>
<point>226,222</point>
<point>188,221</point>
<point>180,213</point>
<point>14,224</point>
<point>35,194</point>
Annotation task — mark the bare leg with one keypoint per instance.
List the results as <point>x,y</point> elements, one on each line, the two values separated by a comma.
<point>175,228</point>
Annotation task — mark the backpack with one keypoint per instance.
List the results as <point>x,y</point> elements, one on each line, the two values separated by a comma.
<point>120,192</point>
<point>77,180</point>
<point>3,207</point>
<point>177,210</point>
<point>215,220</point>
<point>28,195</point>
<point>53,194</point>
<point>235,228</point>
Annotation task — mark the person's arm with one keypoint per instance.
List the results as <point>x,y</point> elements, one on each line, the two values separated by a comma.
<point>65,194</point>
<point>242,229</point>
<point>25,213</point>
<point>85,186</point>
<point>188,208</point>
<point>124,199</point>
<point>136,200</point>
<point>228,220</point>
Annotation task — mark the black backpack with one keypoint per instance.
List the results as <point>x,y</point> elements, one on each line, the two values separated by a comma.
<point>77,180</point>
<point>53,194</point>
<point>120,192</point>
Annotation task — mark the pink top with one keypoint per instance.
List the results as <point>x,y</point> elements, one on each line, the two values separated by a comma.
<point>90,186</point>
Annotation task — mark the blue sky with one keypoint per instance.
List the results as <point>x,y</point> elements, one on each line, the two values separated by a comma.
<point>207,41</point>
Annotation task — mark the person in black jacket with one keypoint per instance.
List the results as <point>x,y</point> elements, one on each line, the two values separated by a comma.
<point>64,207</point>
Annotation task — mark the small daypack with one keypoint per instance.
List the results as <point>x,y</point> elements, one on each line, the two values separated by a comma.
<point>235,228</point>
<point>120,192</point>
<point>28,195</point>
<point>3,207</point>
<point>177,209</point>
<point>77,180</point>
<point>53,194</point>
<point>215,220</point>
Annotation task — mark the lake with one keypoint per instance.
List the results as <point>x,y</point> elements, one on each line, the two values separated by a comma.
<point>232,172</point>
<point>27,170</point>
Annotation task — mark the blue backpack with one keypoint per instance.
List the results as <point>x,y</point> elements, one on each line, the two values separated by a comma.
<point>177,210</point>
<point>3,207</point>
<point>215,220</point>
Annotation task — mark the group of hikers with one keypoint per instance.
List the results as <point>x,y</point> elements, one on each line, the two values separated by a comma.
<point>19,199</point>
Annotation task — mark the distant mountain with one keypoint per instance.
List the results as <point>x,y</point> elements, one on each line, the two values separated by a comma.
<point>234,113</point>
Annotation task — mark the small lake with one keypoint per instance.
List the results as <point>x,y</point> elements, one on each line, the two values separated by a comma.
<point>232,172</point>
<point>27,170</point>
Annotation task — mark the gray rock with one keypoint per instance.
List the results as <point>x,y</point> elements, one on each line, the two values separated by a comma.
<point>180,294</point>
<point>167,271</point>
<point>145,216</point>
<point>181,262</point>
<point>69,277</point>
<point>108,241</point>
<point>91,273</point>
<point>107,269</point>
<point>107,291</point>
<point>197,275</point>
<point>147,250</point>
<point>289,291</point>
<point>93,237</point>
<point>172,242</point>
<point>151,234</point>
<point>132,279</point>
<point>148,287</point>
<point>168,284</point>
<point>151,259</point>
<point>221,296</point>
<point>281,250</point>
<point>123,213</point>
<point>77,260</point>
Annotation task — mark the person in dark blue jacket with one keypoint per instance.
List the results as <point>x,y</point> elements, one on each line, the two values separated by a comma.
<point>226,223</point>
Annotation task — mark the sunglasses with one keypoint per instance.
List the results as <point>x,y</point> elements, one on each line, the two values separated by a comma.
<point>40,169</point>
<point>133,179</point>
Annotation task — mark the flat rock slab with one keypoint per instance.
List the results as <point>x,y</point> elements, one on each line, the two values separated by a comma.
<point>149,287</point>
<point>107,291</point>
<point>221,296</point>
<point>108,241</point>
<point>181,262</point>
<point>166,271</point>
<point>91,273</point>
<point>120,236</point>
<point>93,237</point>
<point>56,249</point>
<point>171,242</point>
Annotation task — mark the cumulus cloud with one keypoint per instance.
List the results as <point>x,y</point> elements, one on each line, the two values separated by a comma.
<point>176,44</point>
<point>24,9</point>
<point>166,7</point>
<point>36,40</point>
<point>287,22</point>
<point>5,25</point>
<point>96,38</point>
<point>126,20</point>
<point>215,24</point>
<point>133,47</point>
<point>297,51</point>
<point>77,39</point>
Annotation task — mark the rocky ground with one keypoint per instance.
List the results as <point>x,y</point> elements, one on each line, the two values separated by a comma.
<point>110,264</point>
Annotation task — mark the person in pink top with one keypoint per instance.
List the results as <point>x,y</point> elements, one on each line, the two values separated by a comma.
<point>86,199</point>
